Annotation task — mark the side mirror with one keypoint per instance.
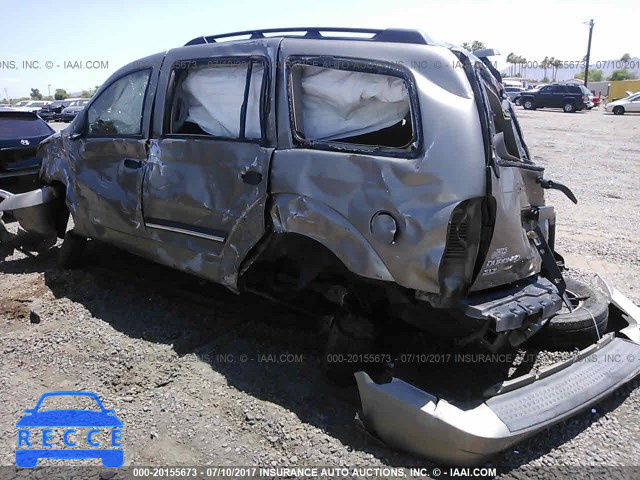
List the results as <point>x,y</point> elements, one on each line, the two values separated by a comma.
<point>79,126</point>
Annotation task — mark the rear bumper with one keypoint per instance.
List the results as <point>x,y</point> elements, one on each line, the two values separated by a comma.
<point>418,422</point>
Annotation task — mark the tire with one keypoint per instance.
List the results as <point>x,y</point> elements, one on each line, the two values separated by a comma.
<point>517,101</point>
<point>567,330</point>
<point>70,254</point>
<point>528,104</point>
<point>618,110</point>
<point>569,107</point>
<point>349,335</point>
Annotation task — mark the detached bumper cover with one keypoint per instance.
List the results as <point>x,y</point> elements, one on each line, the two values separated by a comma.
<point>418,422</point>
<point>34,210</point>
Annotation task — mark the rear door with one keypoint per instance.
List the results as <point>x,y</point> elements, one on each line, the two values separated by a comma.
<point>205,186</point>
<point>545,97</point>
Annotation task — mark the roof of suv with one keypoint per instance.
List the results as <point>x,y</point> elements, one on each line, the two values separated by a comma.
<point>393,35</point>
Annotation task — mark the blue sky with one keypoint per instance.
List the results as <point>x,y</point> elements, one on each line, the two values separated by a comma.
<point>120,31</point>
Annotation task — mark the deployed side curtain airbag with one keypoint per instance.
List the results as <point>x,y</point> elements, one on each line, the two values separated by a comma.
<point>340,103</point>
<point>214,98</point>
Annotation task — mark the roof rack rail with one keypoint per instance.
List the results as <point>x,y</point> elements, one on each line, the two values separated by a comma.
<point>394,35</point>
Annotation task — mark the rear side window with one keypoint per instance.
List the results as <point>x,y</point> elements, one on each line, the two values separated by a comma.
<point>219,98</point>
<point>118,109</point>
<point>355,104</point>
<point>14,126</point>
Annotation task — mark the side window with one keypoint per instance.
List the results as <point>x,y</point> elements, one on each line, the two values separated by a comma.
<point>219,98</point>
<point>351,103</point>
<point>545,90</point>
<point>118,110</point>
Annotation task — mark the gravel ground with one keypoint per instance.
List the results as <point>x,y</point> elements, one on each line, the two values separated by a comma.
<point>198,376</point>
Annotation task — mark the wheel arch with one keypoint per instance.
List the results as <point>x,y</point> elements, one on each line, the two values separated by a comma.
<point>294,214</point>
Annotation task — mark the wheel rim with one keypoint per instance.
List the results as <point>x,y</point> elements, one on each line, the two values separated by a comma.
<point>575,300</point>
<point>527,104</point>
<point>567,108</point>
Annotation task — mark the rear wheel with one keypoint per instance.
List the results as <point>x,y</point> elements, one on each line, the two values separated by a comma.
<point>618,110</point>
<point>569,107</point>
<point>350,336</point>
<point>581,327</point>
<point>527,104</point>
<point>70,254</point>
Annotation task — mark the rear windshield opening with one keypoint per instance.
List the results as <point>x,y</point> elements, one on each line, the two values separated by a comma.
<point>13,126</point>
<point>354,107</point>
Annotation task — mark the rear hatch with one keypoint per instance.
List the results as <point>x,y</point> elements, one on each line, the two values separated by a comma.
<point>20,134</point>
<point>515,198</point>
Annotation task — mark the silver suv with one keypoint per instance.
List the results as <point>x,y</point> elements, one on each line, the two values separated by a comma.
<point>375,174</point>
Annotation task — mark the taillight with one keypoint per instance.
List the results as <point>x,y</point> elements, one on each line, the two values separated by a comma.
<point>463,239</point>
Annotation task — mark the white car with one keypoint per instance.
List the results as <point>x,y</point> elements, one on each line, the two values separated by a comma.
<point>629,104</point>
<point>31,105</point>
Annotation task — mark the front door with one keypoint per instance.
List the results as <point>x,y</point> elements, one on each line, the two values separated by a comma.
<point>112,151</point>
<point>205,186</point>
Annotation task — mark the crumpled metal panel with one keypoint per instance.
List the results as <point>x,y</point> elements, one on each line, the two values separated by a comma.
<point>510,256</point>
<point>419,193</point>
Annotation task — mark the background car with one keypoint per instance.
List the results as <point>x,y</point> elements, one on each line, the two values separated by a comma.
<point>31,105</point>
<point>75,107</point>
<point>624,105</point>
<point>20,134</point>
<point>571,98</point>
<point>53,111</point>
<point>514,93</point>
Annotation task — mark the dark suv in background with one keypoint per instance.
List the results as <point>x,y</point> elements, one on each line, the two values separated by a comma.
<point>571,98</point>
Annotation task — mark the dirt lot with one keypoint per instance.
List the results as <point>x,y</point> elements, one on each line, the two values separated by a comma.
<point>200,376</point>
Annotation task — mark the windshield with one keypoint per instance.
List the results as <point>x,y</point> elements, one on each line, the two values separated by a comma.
<point>13,127</point>
<point>585,90</point>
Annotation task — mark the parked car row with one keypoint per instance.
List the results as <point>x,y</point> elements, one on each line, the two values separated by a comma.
<point>56,110</point>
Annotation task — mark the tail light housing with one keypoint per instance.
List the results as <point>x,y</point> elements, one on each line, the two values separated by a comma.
<point>464,235</point>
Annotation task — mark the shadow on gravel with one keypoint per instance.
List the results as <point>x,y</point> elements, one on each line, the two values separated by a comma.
<point>281,349</point>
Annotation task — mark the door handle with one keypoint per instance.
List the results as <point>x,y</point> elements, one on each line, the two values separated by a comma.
<point>132,163</point>
<point>251,177</point>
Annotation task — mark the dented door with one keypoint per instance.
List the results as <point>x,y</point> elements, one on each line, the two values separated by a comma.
<point>205,183</point>
<point>111,151</point>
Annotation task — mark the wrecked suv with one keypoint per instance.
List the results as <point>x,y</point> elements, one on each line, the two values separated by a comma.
<point>374,174</point>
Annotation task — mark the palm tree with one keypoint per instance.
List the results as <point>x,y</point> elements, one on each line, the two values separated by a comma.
<point>557,63</point>
<point>510,58</point>
<point>545,65</point>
